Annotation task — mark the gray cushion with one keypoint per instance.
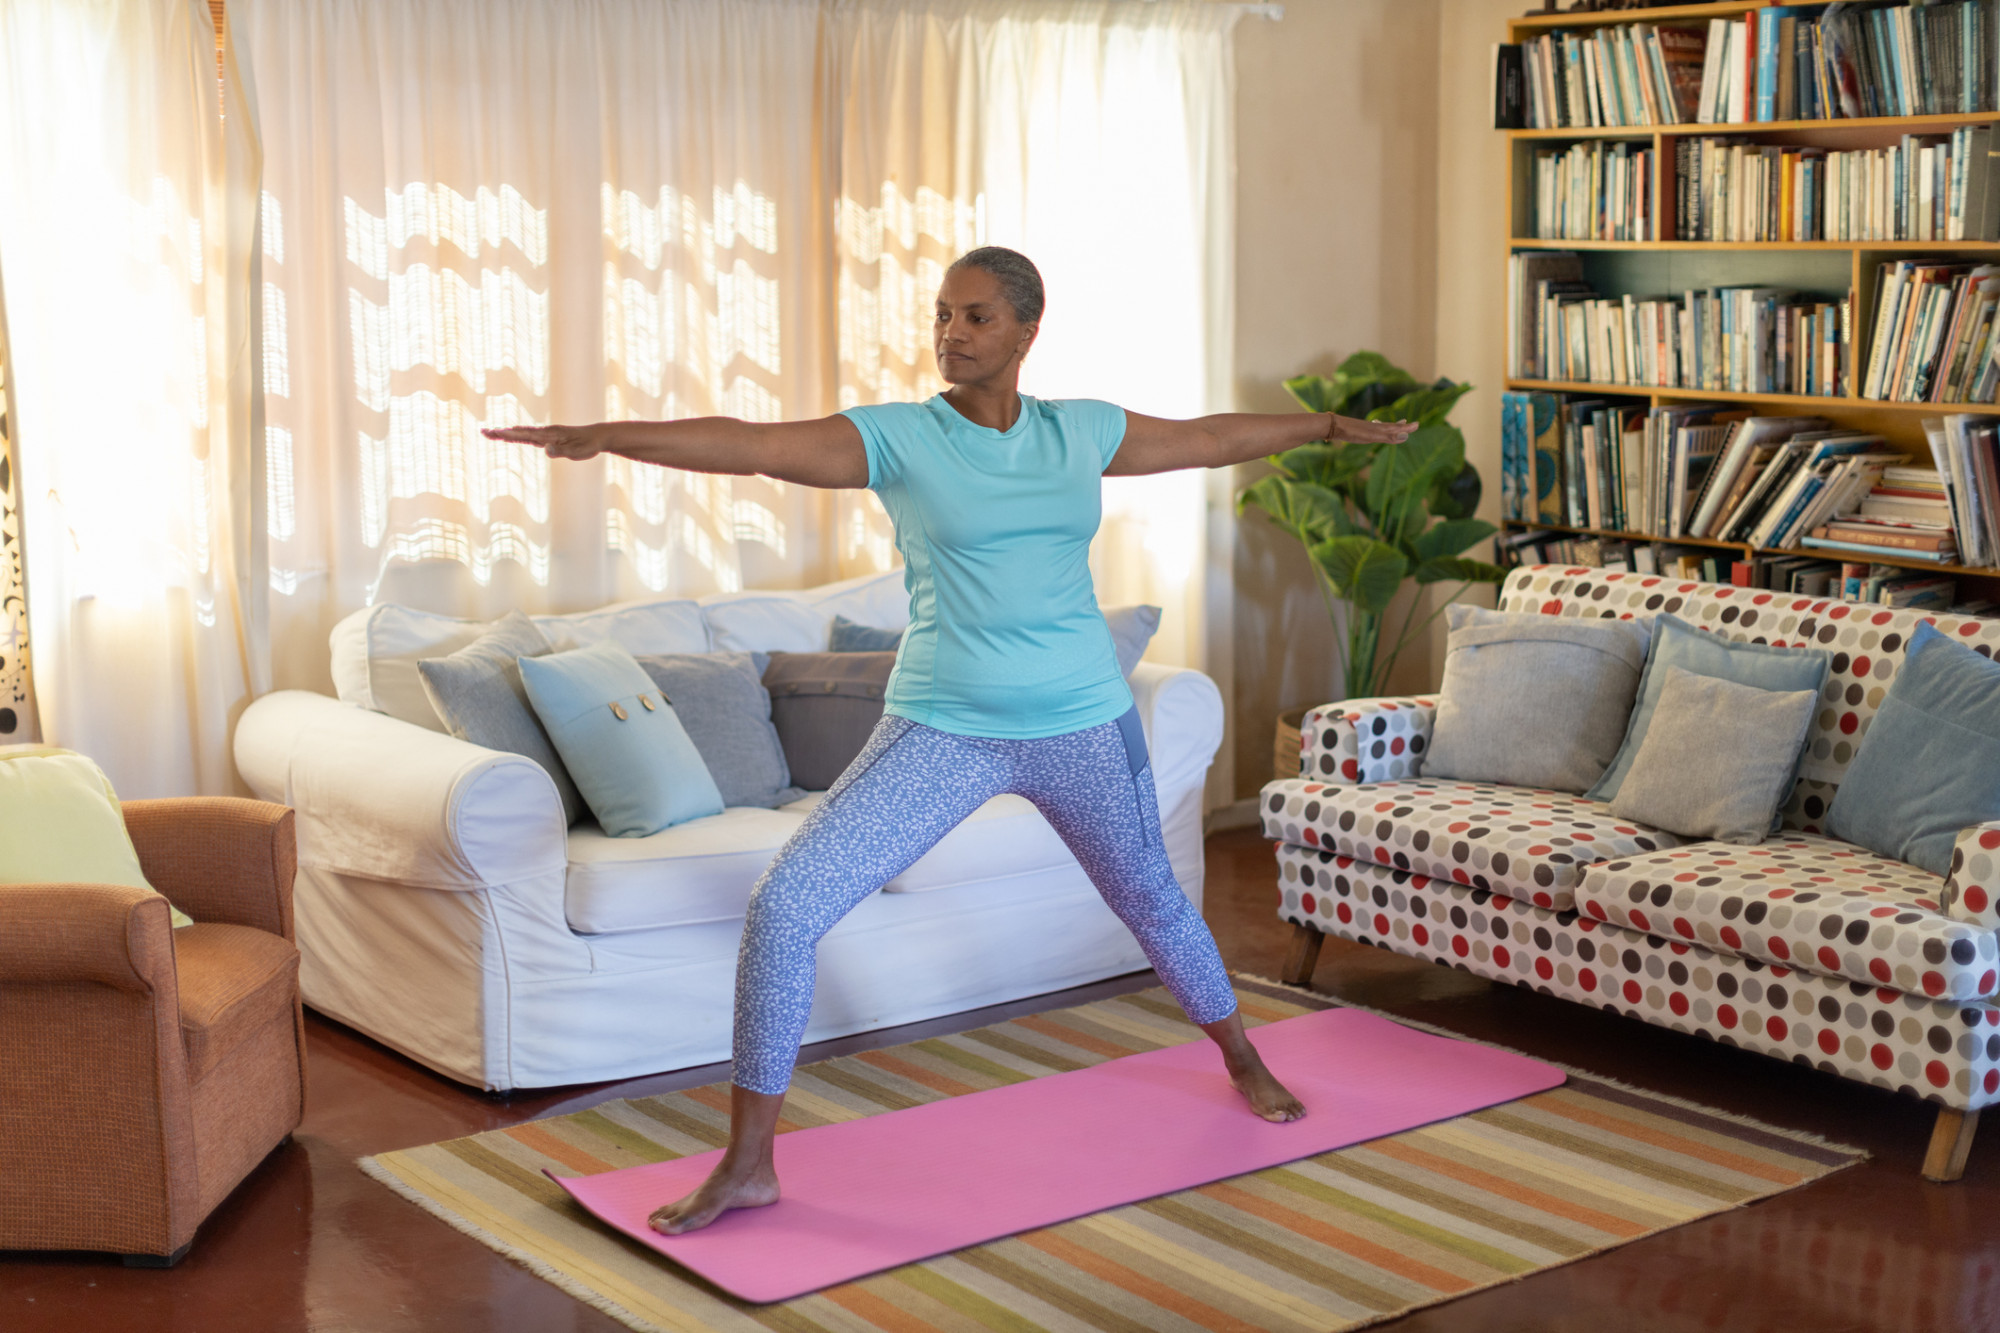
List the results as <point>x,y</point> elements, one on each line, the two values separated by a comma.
<point>1929,767</point>
<point>478,695</point>
<point>1532,700</point>
<point>720,701</point>
<point>848,637</point>
<point>824,705</point>
<point>1717,759</point>
<point>1679,644</point>
<point>1132,628</point>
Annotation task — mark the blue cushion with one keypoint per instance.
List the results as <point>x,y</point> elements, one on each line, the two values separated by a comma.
<point>1929,767</point>
<point>848,637</point>
<point>1676,643</point>
<point>619,738</point>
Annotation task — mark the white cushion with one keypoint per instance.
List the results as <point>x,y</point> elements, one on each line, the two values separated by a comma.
<point>702,871</point>
<point>800,620</point>
<point>376,649</point>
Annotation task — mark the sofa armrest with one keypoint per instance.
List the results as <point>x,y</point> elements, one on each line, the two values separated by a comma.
<point>1181,711</point>
<point>1972,890</point>
<point>1360,741</point>
<point>117,935</point>
<point>218,858</point>
<point>383,799</point>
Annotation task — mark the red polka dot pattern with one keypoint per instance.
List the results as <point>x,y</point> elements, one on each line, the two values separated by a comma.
<point>1366,740</point>
<point>1972,890</point>
<point>1805,901</point>
<point>1944,1051</point>
<point>1530,844</point>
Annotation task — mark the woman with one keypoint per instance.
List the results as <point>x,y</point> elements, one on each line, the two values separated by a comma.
<point>1006,680</point>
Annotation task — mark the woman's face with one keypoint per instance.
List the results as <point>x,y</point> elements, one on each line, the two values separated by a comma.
<point>976,336</point>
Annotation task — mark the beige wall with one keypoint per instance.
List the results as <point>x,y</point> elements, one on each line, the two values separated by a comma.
<point>1337,219</point>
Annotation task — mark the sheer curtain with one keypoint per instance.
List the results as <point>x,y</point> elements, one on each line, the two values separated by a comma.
<point>128,246</point>
<point>482,212</point>
<point>1095,138</point>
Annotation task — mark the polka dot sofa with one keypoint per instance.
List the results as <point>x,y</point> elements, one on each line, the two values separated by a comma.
<point>1804,948</point>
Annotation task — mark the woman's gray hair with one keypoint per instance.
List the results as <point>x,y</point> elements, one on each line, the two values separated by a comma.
<point>1020,281</point>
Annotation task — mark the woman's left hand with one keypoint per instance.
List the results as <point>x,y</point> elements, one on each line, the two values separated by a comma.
<point>1363,431</point>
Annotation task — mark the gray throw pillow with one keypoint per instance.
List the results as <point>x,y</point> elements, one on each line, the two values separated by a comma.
<point>721,702</point>
<point>1534,701</point>
<point>478,695</point>
<point>1678,644</point>
<point>1132,628</point>
<point>848,637</point>
<point>1717,758</point>
<point>824,706</point>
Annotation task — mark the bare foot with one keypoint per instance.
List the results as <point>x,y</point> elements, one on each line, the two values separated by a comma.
<point>1267,1097</point>
<point>725,1188</point>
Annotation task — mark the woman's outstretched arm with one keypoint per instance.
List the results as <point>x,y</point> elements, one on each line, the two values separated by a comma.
<point>825,453</point>
<point>1153,444</point>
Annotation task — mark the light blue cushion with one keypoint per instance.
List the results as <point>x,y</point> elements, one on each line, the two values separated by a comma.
<point>848,637</point>
<point>619,738</point>
<point>1929,767</point>
<point>1676,643</point>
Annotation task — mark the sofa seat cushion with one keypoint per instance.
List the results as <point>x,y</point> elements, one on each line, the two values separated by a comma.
<point>1516,841</point>
<point>703,870</point>
<point>1805,902</point>
<point>231,979</point>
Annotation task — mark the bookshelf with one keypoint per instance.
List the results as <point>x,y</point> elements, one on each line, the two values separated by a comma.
<point>1665,266</point>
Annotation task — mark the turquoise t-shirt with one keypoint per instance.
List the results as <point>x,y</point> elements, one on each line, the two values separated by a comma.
<point>1005,637</point>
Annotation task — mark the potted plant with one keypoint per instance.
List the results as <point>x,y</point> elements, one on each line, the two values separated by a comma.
<point>1375,516</point>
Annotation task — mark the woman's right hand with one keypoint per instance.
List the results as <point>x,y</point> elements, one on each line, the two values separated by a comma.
<point>571,442</point>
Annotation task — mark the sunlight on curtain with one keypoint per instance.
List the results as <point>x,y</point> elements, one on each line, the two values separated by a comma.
<point>19,721</point>
<point>624,226</point>
<point>129,290</point>
<point>1094,138</point>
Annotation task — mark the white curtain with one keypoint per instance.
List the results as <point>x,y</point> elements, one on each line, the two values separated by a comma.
<point>127,238</point>
<point>484,212</point>
<point>1095,138</point>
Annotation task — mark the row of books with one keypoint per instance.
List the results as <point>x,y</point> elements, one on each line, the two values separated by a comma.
<point>1966,453</point>
<point>1733,339</point>
<point>1935,338</point>
<point>1779,63</point>
<point>1594,192</point>
<point>1803,575</point>
<point>1921,189</point>
<point>1691,470</point>
<point>1629,74</point>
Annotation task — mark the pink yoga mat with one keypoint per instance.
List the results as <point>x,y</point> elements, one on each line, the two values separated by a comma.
<point>890,1189</point>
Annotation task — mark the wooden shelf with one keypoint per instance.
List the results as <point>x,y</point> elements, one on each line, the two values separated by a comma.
<point>1842,247</point>
<point>1744,550</point>
<point>1607,17</point>
<point>1697,129</point>
<point>1790,401</point>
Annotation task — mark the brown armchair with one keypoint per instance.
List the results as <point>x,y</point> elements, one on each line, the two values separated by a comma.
<point>145,1070</point>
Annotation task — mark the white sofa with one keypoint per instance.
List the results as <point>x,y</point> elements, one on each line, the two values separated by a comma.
<point>444,910</point>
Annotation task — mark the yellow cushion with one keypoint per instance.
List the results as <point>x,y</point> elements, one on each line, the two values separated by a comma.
<point>60,823</point>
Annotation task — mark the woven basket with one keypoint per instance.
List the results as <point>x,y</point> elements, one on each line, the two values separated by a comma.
<point>1285,756</point>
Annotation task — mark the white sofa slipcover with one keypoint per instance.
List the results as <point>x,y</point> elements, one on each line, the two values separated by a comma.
<point>444,910</point>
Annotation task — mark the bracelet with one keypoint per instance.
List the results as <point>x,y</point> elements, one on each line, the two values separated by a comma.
<point>1332,424</point>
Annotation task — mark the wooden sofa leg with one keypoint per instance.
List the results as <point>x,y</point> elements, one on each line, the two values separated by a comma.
<point>1951,1142</point>
<point>1305,954</point>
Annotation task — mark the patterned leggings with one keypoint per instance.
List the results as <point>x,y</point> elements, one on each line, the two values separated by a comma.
<point>910,786</point>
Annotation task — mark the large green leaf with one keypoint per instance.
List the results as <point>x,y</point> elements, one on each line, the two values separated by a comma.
<point>1362,570</point>
<point>1402,475</point>
<point>1316,393</point>
<point>1451,569</point>
<point>1427,406</point>
<point>1451,537</point>
<point>1310,513</point>
<point>1456,496</point>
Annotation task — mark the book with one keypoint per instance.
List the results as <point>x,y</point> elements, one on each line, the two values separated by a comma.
<point>1510,106</point>
<point>1827,544</point>
<point>1889,538</point>
<point>1545,438</point>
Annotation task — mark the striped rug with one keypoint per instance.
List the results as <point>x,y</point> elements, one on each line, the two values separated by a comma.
<point>1337,1241</point>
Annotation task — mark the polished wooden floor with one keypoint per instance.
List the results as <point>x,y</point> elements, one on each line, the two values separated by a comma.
<point>309,1243</point>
